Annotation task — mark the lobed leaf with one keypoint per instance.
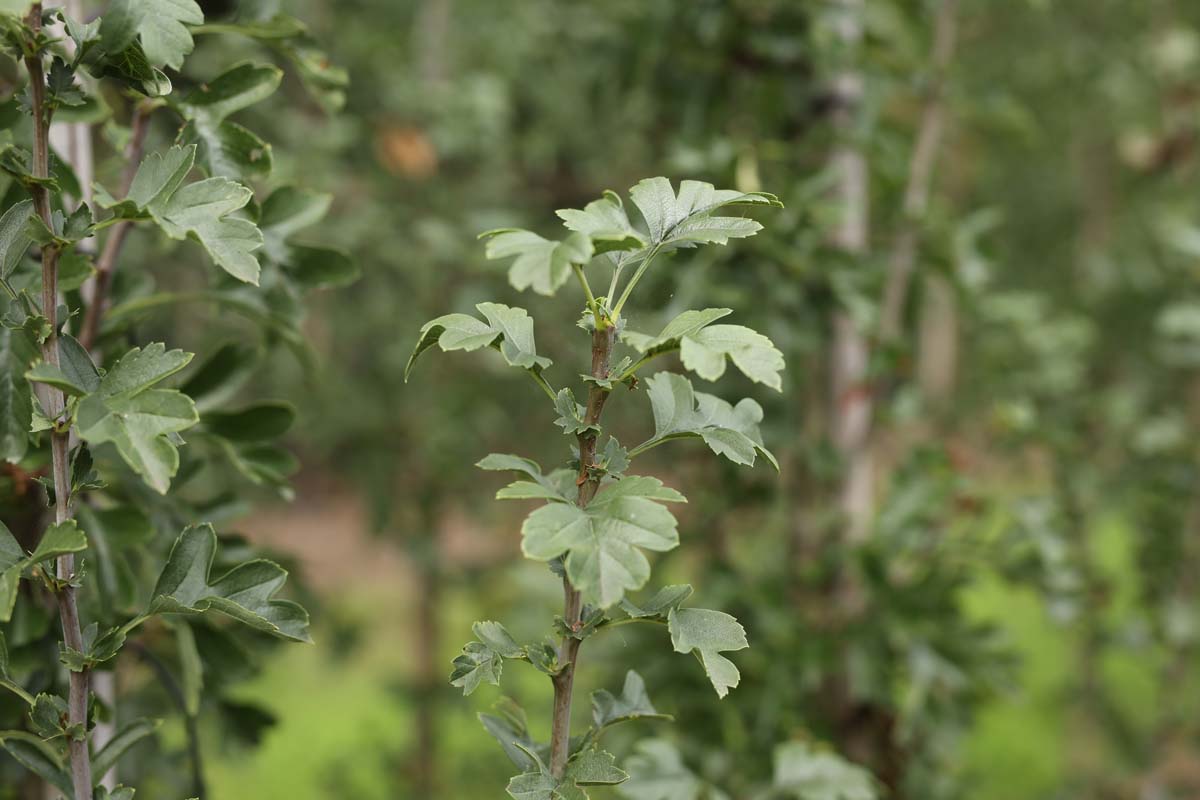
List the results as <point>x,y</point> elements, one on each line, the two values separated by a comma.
<point>708,634</point>
<point>159,25</point>
<point>605,222</point>
<point>509,330</point>
<point>633,704</point>
<point>603,543</point>
<point>685,220</point>
<point>681,412</point>
<point>139,420</point>
<point>705,347</point>
<point>538,262</point>
<point>244,593</point>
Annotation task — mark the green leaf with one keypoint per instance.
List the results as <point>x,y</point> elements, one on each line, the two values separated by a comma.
<point>14,236</point>
<point>223,147</point>
<point>509,330</point>
<point>686,219</point>
<point>482,661</point>
<point>708,634</point>
<point>202,210</point>
<point>539,263</point>
<point>510,727</point>
<point>58,539</point>
<point>478,664</point>
<point>558,485</point>
<point>804,773</point>
<point>136,418</point>
<point>255,423</point>
<point>633,704</point>
<point>681,412</point>
<point>664,601</point>
<point>115,535</point>
<point>38,757</point>
<point>570,414</point>
<point>18,350</point>
<point>657,772</point>
<point>705,347</point>
<point>75,373</point>
<point>160,26</point>
<point>586,768</point>
<point>605,222</point>
<point>603,543</point>
<point>126,737</point>
<point>244,593</point>
<point>48,716</point>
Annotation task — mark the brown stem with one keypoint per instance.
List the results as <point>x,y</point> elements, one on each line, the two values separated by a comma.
<point>568,651</point>
<point>107,263</point>
<point>68,609</point>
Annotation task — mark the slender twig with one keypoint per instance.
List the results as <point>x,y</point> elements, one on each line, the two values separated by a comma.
<point>920,175</point>
<point>637,276</point>
<point>107,263</point>
<point>171,685</point>
<point>77,701</point>
<point>603,338</point>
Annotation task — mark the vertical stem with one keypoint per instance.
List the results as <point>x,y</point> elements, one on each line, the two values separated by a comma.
<point>77,700</point>
<point>851,401</point>
<point>106,265</point>
<point>603,339</point>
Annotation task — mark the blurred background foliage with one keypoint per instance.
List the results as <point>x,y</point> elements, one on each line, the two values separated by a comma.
<point>1026,608</point>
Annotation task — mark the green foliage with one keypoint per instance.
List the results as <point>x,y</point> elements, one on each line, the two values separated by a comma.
<point>597,522</point>
<point>96,420</point>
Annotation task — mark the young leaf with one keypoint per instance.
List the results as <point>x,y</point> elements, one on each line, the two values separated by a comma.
<point>804,773</point>
<point>539,263</point>
<point>558,485</point>
<point>633,704</point>
<point>75,373</point>
<point>58,539</point>
<point>509,330</point>
<point>605,222</point>
<point>244,593</point>
<point>570,414</point>
<point>681,412</point>
<point>160,25</point>
<point>587,768</point>
<point>704,347</point>
<point>138,419</point>
<point>603,543</point>
<point>686,219</point>
<point>708,634</point>
<point>482,661</point>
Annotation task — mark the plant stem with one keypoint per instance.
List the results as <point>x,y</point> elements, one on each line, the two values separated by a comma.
<point>603,338</point>
<point>107,263</point>
<point>68,609</point>
<point>633,281</point>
